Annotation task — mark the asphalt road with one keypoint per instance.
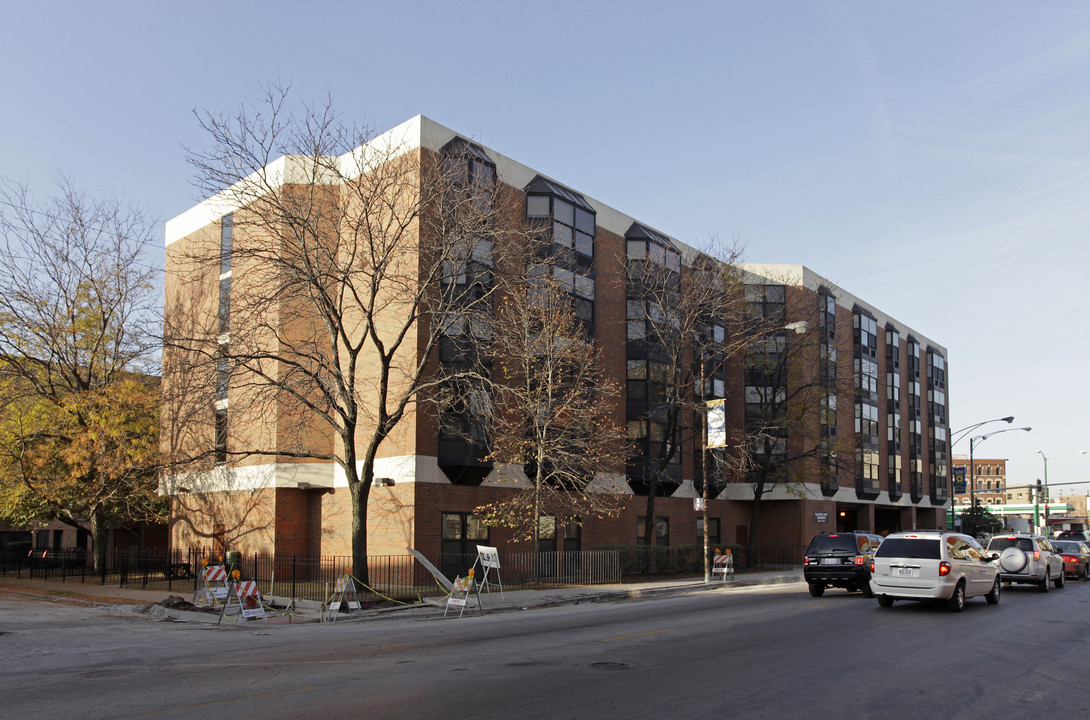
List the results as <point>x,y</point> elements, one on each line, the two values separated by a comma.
<point>765,652</point>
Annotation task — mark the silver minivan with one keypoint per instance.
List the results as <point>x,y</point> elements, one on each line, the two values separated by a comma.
<point>933,565</point>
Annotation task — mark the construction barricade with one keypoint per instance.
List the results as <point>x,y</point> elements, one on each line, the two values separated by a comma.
<point>344,595</point>
<point>723,564</point>
<point>461,589</point>
<point>243,600</point>
<point>211,585</point>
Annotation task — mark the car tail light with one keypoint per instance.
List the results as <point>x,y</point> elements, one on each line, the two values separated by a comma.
<point>1070,558</point>
<point>1036,554</point>
<point>805,561</point>
<point>944,568</point>
<point>859,559</point>
<point>872,567</point>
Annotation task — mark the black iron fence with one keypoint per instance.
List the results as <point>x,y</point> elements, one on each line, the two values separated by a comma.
<point>398,577</point>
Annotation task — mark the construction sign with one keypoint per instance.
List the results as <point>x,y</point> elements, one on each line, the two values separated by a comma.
<point>211,585</point>
<point>243,600</point>
<point>488,558</point>
<point>344,595</point>
<point>459,594</point>
<point>723,564</point>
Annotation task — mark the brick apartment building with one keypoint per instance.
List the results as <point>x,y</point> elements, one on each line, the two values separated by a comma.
<point>893,411</point>
<point>989,482</point>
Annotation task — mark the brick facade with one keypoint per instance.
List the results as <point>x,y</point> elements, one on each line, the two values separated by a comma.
<point>281,504</point>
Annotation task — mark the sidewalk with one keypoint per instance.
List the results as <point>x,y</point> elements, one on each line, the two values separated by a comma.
<point>492,602</point>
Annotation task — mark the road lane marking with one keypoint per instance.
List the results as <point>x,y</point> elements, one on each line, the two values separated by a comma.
<point>212,703</point>
<point>626,637</point>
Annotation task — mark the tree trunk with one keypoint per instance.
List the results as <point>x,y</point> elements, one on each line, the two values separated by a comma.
<point>649,521</point>
<point>100,533</point>
<point>755,519</point>
<point>360,490</point>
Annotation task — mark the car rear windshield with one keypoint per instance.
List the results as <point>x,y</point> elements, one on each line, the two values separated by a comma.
<point>909,548</point>
<point>844,542</point>
<point>1002,543</point>
<point>1069,546</point>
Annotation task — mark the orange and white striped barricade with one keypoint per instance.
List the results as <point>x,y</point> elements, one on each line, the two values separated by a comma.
<point>211,585</point>
<point>459,594</point>
<point>344,595</point>
<point>723,564</point>
<point>244,595</point>
<point>488,558</point>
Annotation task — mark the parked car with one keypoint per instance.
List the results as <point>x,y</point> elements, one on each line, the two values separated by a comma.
<point>1028,559</point>
<point>1073,535</point>
<point>933,565</point>
<point>1076,557</point>
<point>840,559</point>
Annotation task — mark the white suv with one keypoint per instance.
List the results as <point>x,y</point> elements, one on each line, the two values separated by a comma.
<point>1028,559</point>
<point>933,565</point>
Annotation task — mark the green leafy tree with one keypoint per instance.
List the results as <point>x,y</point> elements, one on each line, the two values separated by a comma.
<point>78,419</point>
<point>978,522</point>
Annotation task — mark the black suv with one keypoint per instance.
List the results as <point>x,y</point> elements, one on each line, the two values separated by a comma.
<point>840,559</point>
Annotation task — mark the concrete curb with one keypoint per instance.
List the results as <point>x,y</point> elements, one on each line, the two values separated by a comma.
<point>433,606</point>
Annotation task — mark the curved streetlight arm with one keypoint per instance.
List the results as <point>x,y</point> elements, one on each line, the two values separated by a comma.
<point>973,442</point>
<point>966,431</point>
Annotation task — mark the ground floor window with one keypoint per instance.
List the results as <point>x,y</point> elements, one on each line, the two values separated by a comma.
<point>713,531</point>
<point>662,531</point>
<point>462,533</point>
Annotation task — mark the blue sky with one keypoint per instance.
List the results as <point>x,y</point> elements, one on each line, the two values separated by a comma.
<point>930,157</point>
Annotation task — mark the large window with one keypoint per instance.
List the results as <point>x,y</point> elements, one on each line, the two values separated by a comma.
<point>713,531</point>
<point>830,481</point>
<point>866,403</point>
<point>462,533</point>
<point>662,531</point>
<point>937,429</point>
<point>571,221</point>
<point>915,422</point>
<point>893,413</point>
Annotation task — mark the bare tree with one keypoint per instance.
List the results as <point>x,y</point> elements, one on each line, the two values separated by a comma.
<point>555,415</point>
<point>684,314</point>
<point>792,386</point>
<point>355,252</point>
<point>77,314</point>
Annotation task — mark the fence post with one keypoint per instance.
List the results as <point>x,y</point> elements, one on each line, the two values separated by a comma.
<point>293,576</point>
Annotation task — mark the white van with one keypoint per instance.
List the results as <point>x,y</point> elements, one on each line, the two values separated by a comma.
<point>933,565</point>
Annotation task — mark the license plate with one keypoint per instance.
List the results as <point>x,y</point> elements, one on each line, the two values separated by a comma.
<point>906,572</point>
<point>830,561</point>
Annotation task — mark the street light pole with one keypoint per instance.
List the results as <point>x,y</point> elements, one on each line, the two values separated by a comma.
<point>966,432</point>
<point>1044,491</point>
<point>973,441</point>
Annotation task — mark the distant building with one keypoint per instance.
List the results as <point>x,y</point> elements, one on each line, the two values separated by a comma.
<point>987,478</point>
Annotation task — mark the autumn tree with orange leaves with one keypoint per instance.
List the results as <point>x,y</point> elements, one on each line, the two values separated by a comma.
<point>78,414</point>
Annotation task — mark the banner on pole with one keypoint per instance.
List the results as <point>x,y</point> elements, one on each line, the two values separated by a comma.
<point>717,423</point>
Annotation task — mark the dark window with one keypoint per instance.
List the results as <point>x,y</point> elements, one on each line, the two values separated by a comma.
<point>227,226</point>
<point>225,306</point>
<point>662,531</point>
<point>221,435</point>
<point>546,533</point>
<point>921,548</point>
<point>461,534</point>
<point>223,374</point>
<point>713,531</point>
<point>835,542</point>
